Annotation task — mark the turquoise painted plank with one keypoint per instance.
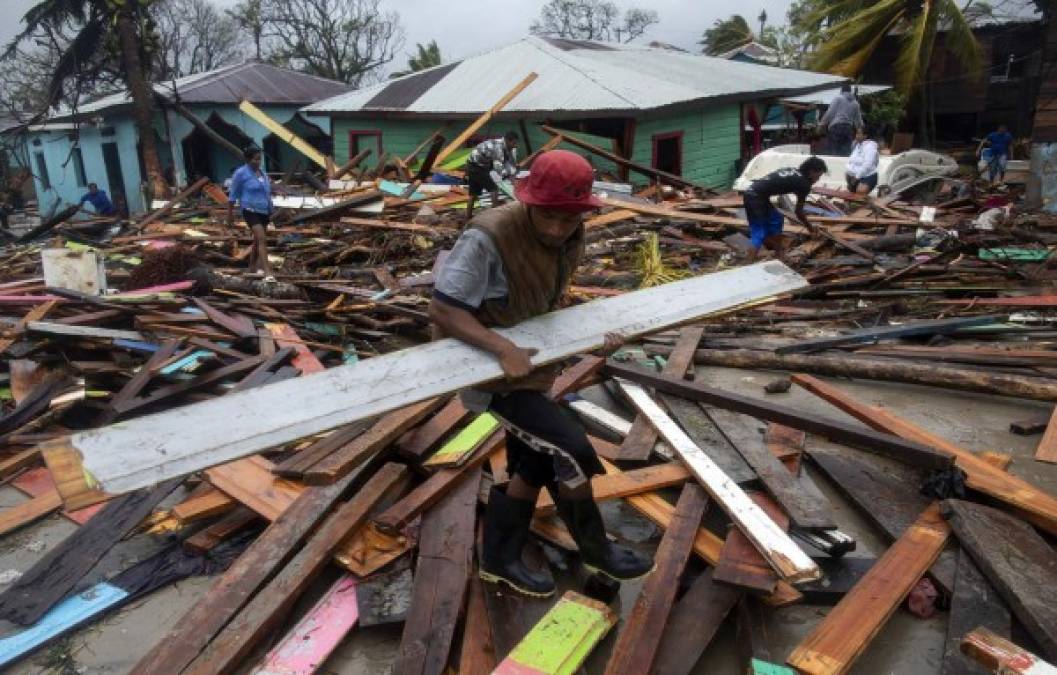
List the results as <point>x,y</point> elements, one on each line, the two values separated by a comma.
<point>66,615</point>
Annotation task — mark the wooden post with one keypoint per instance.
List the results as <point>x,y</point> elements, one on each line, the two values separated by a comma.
<point>284,134</point>
<point>484,118</point>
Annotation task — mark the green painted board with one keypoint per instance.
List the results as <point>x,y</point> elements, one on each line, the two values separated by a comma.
<point>562,640</point>
<point>758,667</point>
<point>466,441</point>
<point>1015,254</point>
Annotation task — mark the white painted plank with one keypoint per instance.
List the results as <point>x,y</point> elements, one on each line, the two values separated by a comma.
<point>601,416</point>
<point>791,563</point>
<point>145,450</point>
<point>83,331</point>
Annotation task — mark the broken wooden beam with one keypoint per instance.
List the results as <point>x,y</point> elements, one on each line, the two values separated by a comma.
<point>974,603</point>
<point>1002,656</point>
<point>692,624</point>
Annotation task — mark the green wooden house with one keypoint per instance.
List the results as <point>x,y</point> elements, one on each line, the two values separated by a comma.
<point>676,111</point>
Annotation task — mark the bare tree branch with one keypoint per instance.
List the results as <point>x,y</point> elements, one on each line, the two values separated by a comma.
<point>592,20</point>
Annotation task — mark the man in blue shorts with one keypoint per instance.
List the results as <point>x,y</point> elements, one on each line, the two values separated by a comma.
<point>999,142</point>
<point>765,222</point>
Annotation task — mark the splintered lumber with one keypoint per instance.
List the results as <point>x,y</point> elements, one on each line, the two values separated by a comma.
<point>839,431</point>
<point>460,140</point>
<point>839,639</point>
<point>975,603</point>
<point>29,511</point>
<point>702,430</point>
<point>740,565</point>
<point>58,572</point>
<point>268,607</point>
<point>297,464</point>
<point>640,638</point>
<point>364,446</point>
<point>445,560</point>
<point>477,656</point>
<point>267,555</point>
<point>189,191</point>
<point>1017,386</point>
<point>805,505</point>
<point>250,482</point>
<point>937,327</point>
<point>639,442</point>
<point>651,209</point>
<point>791,563</point>
<point>625,484</point>
<point>692,624</point>
<point>307,645</point>
<point>190,438</point>
<point>1047,450</point>
<point>369,549</point>
<point>707,545</point>
<point>465,442</point>
<point>563,639</point>
<point>419,442</point>
<point>283,134</point>
<point>38,483</point>
<point>1016,560</point>
<point>982,473</point>
<point>1003,657</point>
<point>886,493</point>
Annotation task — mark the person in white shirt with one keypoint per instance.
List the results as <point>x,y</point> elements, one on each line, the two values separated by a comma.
<point>861,174</point>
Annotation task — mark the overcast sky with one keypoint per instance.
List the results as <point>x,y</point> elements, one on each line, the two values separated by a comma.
<point>469,26</point>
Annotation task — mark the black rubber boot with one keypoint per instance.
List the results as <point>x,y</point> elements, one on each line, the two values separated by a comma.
<point>506,528</point>
<point>598,554</point>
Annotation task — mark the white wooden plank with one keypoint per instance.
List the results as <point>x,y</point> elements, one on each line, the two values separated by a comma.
<point>146,450</point>
<point>83,331</point>
<point>791,563</point>
<point>601,416</point>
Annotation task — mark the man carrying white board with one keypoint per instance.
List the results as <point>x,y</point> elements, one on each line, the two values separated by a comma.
<point>513,263</point>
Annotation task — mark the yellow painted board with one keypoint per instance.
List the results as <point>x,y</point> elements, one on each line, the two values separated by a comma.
<point>284,134</point>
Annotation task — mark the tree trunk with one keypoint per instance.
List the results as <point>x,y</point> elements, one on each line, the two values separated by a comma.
<point>890,370</point>
<point>142,102</point>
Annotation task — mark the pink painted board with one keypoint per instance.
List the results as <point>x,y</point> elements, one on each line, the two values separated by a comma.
<point>37,482</point>
<point>303,650</point>
<point>177,286</point>
<point>27,299</point>
<point>285,336</point>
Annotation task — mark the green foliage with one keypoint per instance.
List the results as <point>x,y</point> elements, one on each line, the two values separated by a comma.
<point>726,34</point>
<point>428,56</point>
<point>883,112</point>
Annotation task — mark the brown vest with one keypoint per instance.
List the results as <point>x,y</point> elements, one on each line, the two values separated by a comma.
<point>537,277</point>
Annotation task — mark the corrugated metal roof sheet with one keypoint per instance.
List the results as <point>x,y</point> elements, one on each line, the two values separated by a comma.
<point>575,77</point>
<point>825,96</point>
<point>259,83</point>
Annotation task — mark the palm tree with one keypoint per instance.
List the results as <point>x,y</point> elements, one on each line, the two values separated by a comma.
<point>102,26</point>
<point>726,34</point>
<point>427,57</point>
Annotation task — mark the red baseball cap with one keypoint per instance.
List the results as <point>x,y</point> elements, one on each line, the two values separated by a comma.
<point>559,180</point>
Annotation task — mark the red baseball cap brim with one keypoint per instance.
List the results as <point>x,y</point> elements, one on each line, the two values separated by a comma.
<point>527,195</point>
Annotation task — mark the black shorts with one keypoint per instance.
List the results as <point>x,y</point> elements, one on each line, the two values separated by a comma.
<point>757,207</point>
<point>480,180</point>
<point>253,218</point>
<point>545,443</point>
<point>854,183</point>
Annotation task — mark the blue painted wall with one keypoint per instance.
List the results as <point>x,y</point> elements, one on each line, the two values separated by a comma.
<point>56,142</point>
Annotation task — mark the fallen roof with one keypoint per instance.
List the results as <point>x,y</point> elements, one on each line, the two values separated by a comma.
<point>259,83</point>
<point>575,76</point>
<point>825,96</point>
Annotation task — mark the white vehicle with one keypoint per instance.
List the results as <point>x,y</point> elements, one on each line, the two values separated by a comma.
<point>894,172</point>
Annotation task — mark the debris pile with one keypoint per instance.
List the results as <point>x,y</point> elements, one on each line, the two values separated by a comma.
<point>115,327</point>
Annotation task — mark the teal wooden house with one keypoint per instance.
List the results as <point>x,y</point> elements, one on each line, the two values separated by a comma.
<point>676,111</point>
<point>99,143</point>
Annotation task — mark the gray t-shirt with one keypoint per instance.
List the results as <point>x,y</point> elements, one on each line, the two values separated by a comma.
<point>472,273</point>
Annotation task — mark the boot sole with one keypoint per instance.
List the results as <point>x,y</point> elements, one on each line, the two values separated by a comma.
<point>496,579</point>
<point>599,570</point>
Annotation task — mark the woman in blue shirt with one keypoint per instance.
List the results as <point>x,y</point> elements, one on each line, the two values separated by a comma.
<point>253,192</point>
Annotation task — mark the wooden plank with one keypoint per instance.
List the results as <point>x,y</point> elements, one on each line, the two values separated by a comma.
<point>38,483</point>
<point>444,565</point>
<point>220,531</point>
<point>286,336</point>
<point>250,482</point>
<point>575,377</point>
<point>692,625</point>
<point>304,649</point>
<point>1047,450</point>
<point>56,574</point>
<point>702,430</point>
<point>194,437</point>
<point>90,332</point>
<point>1037,505</point>
<point>283,134</point>
<point>975,603</point>
<point>464,443</point>
<point>1014,558</point>
<point>34,314</point>
<point>838,640</point>
<point>1001,656</point>
<point>639,640</point>
<point>707,545</point>
<point>477,656</point>
<point>791,563</point>
<point>267,608</point>
<point>614,216</point>
<point>639,442</point>
<point>381,434</point>
<point>625,484</point>
<point>753,640</point>
<point>805,505</point>
<point>369,549</point>
<point>29,511</point>
<point>937,327</point>
<point>651,209</point>
<point>460,140</point>
<point>205,505</point>
<point>833,429</point>
<point>296,465</point>
<point>886,494</point>
<point>419,442</point>
<point>209,379</point>
<point>740,565</point>
<point>562,640</point>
